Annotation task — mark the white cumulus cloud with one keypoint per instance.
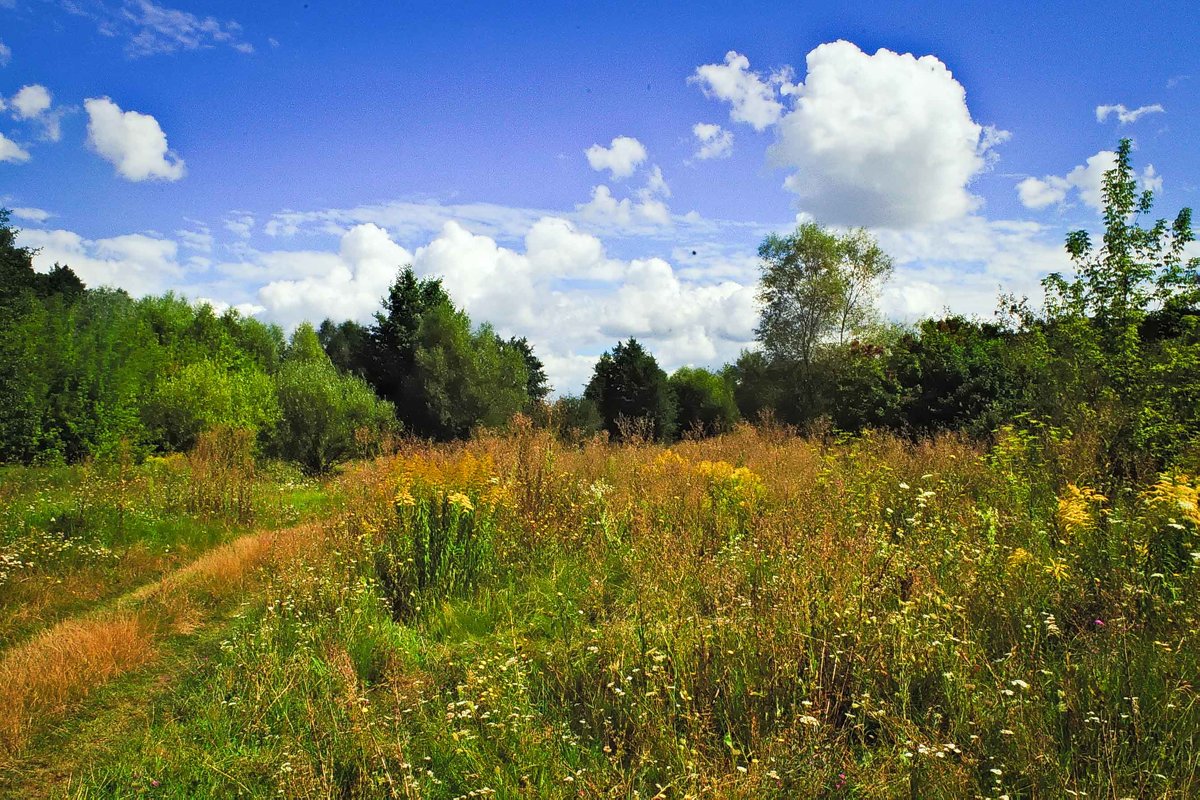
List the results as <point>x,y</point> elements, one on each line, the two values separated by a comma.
<point>1087,180</point>
<point>5,54</point>
<point>138,263</point>
<point>1124,115</point>
<point>751,97</point>
<point>620,158</point>
<point>12,152</point>
<point>30,101</point>
<point>1042,192</point>
<point>31,214</point>
<point>33,103</point>
<point>712,140</point>
<point>883,139</point>
<point>343,285</point>
<point>624,213</point>
<point>132,142</point>
<point>965,264</point>
<point>557,286</point>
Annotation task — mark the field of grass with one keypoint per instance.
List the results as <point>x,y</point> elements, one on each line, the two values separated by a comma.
<point>755,615</point>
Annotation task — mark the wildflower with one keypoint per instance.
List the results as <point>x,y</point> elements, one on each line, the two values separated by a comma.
<point>1099,623</point>
<point>1176,492</point>
<point>1075,507</point>
<point>460,501</point>
<point>1058,569</point>
<point>1019,558</point>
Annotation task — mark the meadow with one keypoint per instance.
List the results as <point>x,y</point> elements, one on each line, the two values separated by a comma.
<point>757,614</point>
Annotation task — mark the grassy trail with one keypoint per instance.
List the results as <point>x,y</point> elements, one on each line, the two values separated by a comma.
<point>98,673</point>
<point>89,733</point>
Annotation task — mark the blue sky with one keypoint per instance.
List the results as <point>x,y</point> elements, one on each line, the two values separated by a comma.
<point>577,175</point>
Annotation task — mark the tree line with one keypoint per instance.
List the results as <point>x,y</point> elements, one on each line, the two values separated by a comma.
<point>1113,349</point>
<point>1112,353</point>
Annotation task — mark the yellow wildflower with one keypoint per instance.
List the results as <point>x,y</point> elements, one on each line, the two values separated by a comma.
<point>1175,494</point>
<point>1019,558</point>
<point>461,501</point>
<point>1076,508</point>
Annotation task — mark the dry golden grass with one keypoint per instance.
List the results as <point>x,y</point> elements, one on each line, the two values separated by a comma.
<point>225,568</point>
<point>41,676</point>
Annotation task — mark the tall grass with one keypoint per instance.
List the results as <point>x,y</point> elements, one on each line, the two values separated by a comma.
<point>41,676</point>
<point>755,615</point>
<point>74,537</point>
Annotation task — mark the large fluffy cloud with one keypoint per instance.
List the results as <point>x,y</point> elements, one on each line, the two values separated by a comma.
<point>133,142</point>
<point>883,139</point>
<point>752,98</point>
<point>560,289</point>
<point>620,158</point>
<point>138,263</point>
<point>343,285</point>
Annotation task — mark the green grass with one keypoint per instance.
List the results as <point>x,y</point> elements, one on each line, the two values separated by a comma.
<point>876,618</point>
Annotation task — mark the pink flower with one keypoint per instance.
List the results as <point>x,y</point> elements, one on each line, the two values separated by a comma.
<point>1100,623</point>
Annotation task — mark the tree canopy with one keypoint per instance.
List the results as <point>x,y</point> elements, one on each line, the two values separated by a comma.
<point>631,393</point>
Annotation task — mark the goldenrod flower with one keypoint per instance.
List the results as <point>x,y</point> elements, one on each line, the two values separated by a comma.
<point>1076,508</point>
<point>461,501</point>
<point>1019,558</point>
<point>1178,495</point>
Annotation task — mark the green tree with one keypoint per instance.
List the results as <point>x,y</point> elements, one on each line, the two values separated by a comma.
<point>394,340</point>
<point>537,386</point>
<point>1115,372</point>
<point>704,401</point>
<point>465,379</point>
<point>631,391</point>
<point>326,416</point>
<point>818,289</point>
<point>348,345</point>
<point>758,384</point>
<point>958,374</point>
<point>205,394</point>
